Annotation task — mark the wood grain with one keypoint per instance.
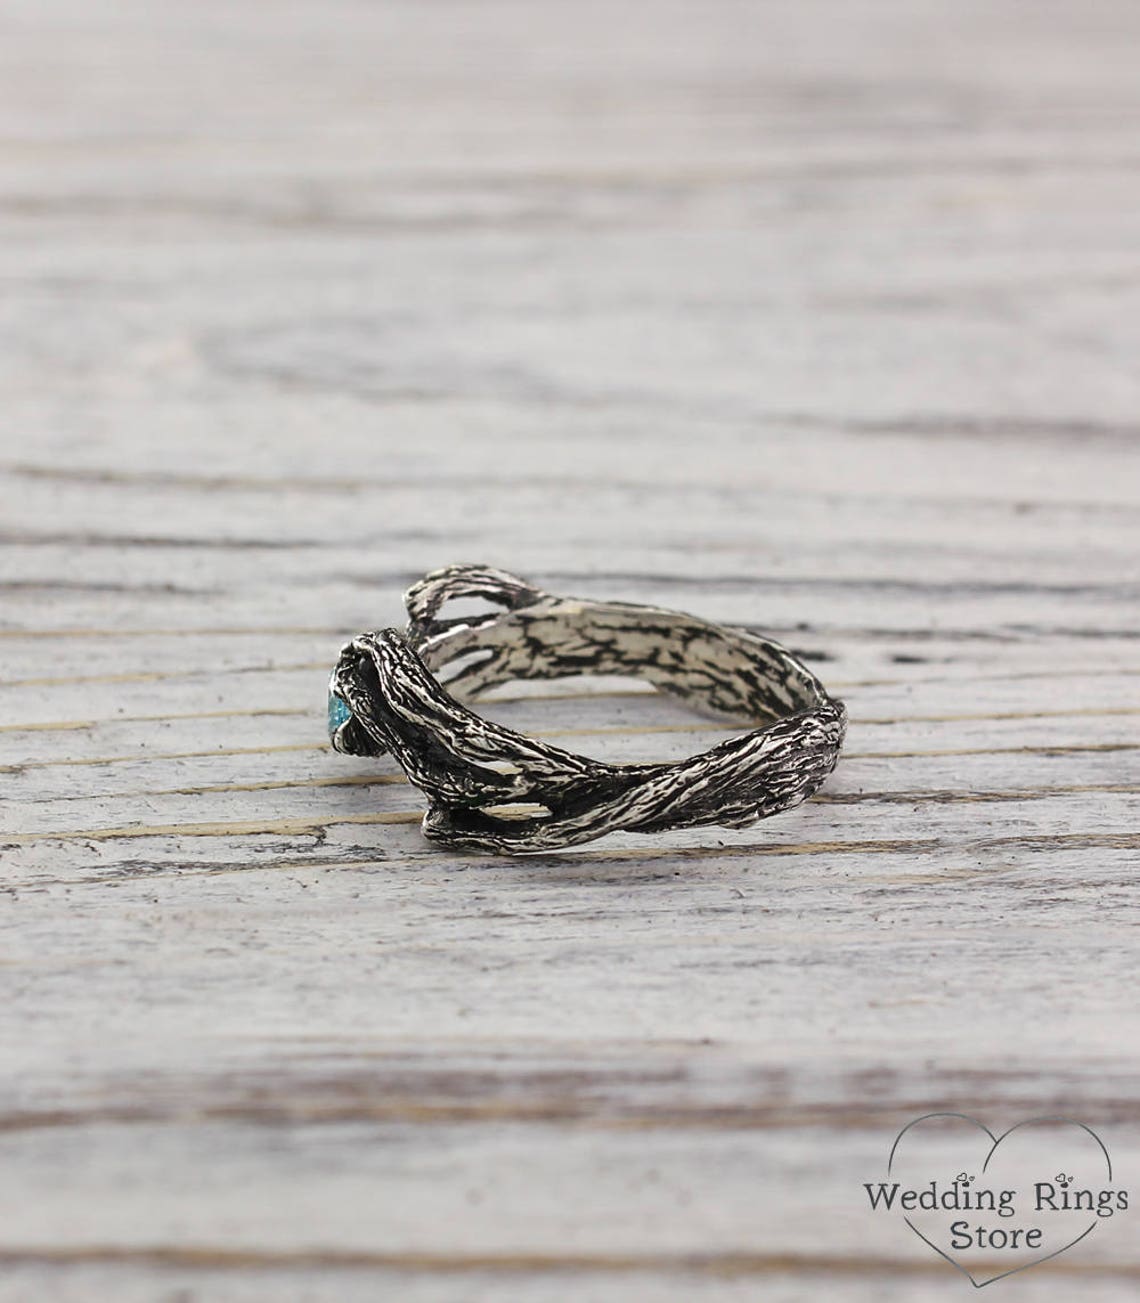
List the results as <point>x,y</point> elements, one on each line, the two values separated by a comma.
<point>815,317</point>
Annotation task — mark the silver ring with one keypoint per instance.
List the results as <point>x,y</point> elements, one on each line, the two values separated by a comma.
<point>490,788</point>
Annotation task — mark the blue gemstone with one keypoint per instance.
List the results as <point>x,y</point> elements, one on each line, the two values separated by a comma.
<point>338,712</point>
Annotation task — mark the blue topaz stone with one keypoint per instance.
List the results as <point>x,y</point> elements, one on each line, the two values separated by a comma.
<point>339,712</point>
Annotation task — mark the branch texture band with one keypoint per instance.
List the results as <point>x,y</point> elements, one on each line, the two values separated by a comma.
<point>491,788</point>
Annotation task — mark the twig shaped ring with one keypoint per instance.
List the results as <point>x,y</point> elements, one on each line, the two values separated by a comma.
<point>490,788</point>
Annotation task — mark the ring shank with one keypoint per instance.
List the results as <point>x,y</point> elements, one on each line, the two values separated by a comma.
<point>715,668</point>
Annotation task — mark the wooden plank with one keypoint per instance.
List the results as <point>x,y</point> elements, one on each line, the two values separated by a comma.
<point>815,317</point>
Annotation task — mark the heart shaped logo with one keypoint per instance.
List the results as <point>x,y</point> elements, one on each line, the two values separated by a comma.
<point>993,1205</point>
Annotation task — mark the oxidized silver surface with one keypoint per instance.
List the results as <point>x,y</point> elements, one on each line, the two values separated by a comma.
<point>490,788</point>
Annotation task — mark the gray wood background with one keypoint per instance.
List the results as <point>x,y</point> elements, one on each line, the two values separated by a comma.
<point>822,316</point>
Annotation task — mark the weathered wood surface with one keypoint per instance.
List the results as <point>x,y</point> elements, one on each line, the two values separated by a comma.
<point>818,316</point>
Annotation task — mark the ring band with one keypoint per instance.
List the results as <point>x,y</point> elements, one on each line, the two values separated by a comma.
<point>491,788</point>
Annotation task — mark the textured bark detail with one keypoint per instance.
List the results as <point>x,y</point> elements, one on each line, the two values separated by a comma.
<point>469,767</point>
